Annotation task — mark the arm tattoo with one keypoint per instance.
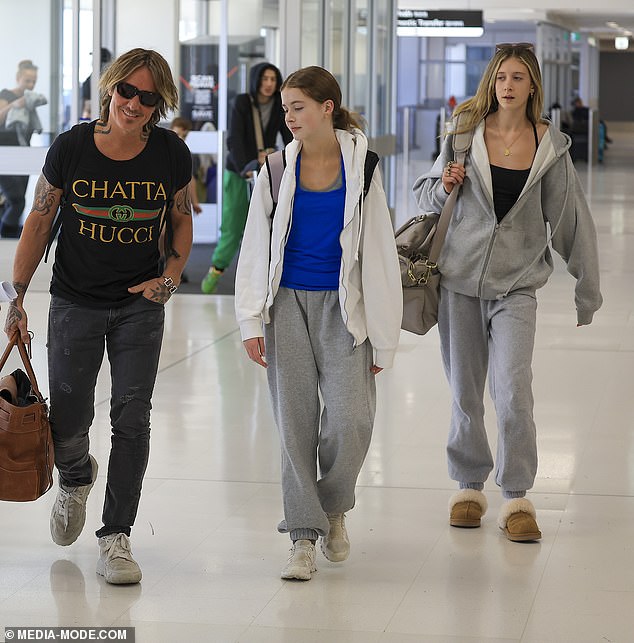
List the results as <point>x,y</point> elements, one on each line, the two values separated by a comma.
<point>160,293</point>
<point>183,202</point>
<point>14,314</point>
<point>173,253</point>
<point>44,198</point>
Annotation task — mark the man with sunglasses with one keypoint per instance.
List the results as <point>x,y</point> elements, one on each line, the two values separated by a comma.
<point>117,182</point>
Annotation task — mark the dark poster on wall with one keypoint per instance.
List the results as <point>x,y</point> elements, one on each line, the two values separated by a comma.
<point>198,84</point>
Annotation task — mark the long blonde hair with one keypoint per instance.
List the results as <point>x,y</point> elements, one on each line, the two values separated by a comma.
<point>320,85</point>
<point>127,64</point>
<point>485,102</point>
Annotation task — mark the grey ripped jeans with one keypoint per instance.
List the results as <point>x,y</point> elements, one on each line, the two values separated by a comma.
<point>77,336</point>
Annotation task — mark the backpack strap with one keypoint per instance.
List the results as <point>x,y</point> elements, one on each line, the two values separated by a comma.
<point>371,161</point>
<point>76,140</point>
<point>276,163</point>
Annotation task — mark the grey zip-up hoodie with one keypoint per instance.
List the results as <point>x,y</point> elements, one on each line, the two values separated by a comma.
<point>486,259</point>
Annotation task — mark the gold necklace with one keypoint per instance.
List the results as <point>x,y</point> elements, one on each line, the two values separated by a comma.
<point>507,148</point>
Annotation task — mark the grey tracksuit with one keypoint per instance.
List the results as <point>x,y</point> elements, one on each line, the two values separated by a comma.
<point>322,343</point>
<point>309,352</point>
<point>490,272</point>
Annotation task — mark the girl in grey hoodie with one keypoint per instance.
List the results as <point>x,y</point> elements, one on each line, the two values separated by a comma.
<point>520,195</point>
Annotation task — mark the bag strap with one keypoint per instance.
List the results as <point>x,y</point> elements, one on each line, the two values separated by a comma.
<point>16,340</point>
<point>257,125</point>
<point>166,221</point>
<point>460,144</point>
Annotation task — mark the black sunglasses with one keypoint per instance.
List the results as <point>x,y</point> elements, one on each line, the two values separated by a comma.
<point>127,91</point>
<point>502,46</point>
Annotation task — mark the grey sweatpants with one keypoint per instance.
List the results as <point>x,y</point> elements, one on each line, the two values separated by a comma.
<point>498,335</point>
<point>310,352</point>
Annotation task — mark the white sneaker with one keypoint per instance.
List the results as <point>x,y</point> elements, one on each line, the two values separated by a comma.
<point>68,515</point>
<point>115,562</point>
<point>335,546</point>
<point>301,561</point>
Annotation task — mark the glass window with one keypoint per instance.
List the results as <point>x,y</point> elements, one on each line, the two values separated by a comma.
<point>311,33</point>
<point>360,62</point>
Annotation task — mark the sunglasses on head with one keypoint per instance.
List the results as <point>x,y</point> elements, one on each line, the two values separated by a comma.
<point>127,91</point>
<point>529,46</point>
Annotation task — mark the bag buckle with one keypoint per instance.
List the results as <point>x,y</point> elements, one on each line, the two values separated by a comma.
<point>429,268</point>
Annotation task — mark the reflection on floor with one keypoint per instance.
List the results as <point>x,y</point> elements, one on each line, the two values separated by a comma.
<point>205,535</point>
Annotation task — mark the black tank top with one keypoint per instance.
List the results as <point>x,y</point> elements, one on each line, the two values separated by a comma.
<point>508,185</point>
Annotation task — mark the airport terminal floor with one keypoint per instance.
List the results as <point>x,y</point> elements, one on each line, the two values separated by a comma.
<point>206,537</point>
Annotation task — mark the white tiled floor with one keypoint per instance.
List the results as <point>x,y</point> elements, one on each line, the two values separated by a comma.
<point>205,534</point>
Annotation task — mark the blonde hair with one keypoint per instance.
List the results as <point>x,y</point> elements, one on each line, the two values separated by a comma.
<point>26,65</point>
<point>127,64</point>
<point>485,102</point>
<point>320,85</point>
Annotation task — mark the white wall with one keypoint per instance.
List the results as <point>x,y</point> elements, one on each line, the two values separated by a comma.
<point>151,25</point>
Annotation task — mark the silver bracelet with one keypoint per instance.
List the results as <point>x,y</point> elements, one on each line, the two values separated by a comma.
<point>170,285</point>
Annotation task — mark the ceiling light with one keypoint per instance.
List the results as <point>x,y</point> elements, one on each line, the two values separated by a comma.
<point>621,42</point>
<point>612,25</point>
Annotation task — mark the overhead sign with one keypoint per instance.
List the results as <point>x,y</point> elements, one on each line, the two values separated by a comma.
<point>419,22</point>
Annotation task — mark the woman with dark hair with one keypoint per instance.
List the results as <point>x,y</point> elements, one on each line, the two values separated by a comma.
<point>118,180</point>
<point>520,195</point>
<point>319,303</point>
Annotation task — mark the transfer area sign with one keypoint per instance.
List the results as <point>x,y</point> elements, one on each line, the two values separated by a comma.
<point>419,22</point>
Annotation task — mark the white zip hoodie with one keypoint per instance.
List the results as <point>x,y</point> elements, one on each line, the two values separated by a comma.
<point>370,294</point>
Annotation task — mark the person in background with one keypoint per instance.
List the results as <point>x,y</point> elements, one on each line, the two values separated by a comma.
<point>19,102</point>
<point>519,182</point>
<point>105,58</point>
<point>244,158</point>
<point>319,304</point>
<point>107,292</point>
<point>182,127</point>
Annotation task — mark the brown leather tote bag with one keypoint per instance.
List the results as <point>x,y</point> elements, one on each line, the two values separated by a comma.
<point>26,445</point>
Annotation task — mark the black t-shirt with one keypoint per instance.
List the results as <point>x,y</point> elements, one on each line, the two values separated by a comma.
<point>112,214</point>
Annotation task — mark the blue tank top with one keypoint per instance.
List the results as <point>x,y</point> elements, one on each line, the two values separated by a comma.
<point>312,255</point>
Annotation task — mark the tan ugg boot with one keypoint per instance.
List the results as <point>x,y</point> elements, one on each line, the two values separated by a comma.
<point>466,508</point>
<point>517,519</point>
